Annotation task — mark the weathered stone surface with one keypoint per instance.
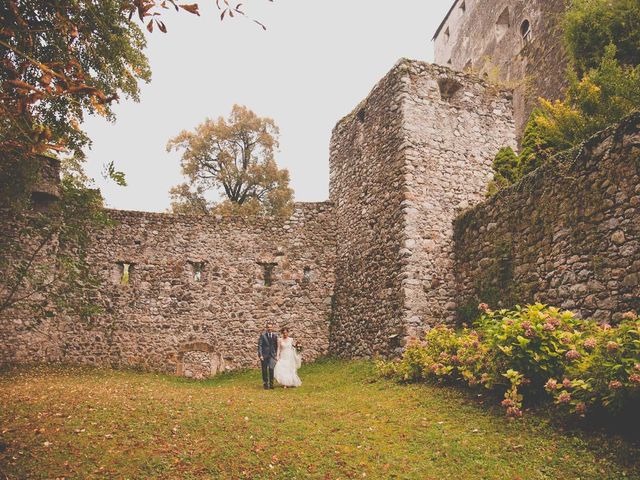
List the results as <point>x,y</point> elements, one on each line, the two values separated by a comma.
<point>412,154</point>
<point>193,280</point>
<point>570,224</point>
<point>388,258</point>
<point>487,37</point>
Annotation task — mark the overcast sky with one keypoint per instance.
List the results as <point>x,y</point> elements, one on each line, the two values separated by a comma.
<point>312,66</point>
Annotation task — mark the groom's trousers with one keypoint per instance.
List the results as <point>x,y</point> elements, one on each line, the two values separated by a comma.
<point>267,372</point>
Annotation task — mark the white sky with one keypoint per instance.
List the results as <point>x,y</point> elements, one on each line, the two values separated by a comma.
<point>312,66</point>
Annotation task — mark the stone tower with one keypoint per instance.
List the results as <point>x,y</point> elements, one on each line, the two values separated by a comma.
<point>404,163</point>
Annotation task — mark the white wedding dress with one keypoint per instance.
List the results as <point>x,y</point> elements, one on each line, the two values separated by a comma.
<point>286,371</point>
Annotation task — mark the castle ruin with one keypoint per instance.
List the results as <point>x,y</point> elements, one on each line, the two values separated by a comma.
<point>517,42</point>
<point>407,241</point>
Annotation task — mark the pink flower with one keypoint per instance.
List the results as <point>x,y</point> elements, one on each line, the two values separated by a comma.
<point>455,359</point>
<point>514,412</point>
<point>573,355</point>
<point>551,385</point>
<point>634,378</point>
<point>612,346</point>
<point>566,383</point>
<point>606,326</point>
<point>581,408</point>
<point>548,327</point>
<point>564,397</point>
<point>526,325</point>
<point>507,402</point>
<point>590,343</point>
<point>615,384</point>
<point>483,307</point>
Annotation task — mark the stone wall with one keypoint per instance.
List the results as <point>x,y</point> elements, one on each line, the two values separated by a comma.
<point>194,291</point>
<point>366,187</point>
<point>567,235</point>
<point>409,157</point>
<point>449,149</point>
<point>486,36</point>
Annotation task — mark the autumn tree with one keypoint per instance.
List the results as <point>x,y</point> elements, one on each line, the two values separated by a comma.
<point>233,156</point>
<point>62,59</point>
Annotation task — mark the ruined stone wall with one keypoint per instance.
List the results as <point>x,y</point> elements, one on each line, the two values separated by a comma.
<point>366,187</point>
<point>450,144</point>
<point>486,36</point>
<point>408,158</point>
<point>568,234</point>
<point>169,317</point>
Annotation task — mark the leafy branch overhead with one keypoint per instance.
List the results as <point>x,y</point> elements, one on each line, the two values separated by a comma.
<point>61,60</point>
<point>235,157</point>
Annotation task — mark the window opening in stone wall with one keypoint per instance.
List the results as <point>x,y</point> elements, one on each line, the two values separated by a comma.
<point>449,62</point>
<point>503,23</point>
<point>362,115</point>
<point>306,275</point>
<point>42,201</point>
<point>125,273</point>
<point>525,31</point>
<point>268,273</point>
<point>448,88</point>
<point>447,34</point>
<point>463,6</point>
<point>197,269</point>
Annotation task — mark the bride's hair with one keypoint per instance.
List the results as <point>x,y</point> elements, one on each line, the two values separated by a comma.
<point>285,329</point>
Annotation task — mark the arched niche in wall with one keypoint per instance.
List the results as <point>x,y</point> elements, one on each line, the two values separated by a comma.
<point>525,31</point>
<point>502,24</point>
<point>198,360</point>
<point>449,88</point>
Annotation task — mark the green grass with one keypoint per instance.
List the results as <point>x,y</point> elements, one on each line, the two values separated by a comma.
<point>343,423</point>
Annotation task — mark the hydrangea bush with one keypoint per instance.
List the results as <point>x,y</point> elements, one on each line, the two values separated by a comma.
<point>534,353</point>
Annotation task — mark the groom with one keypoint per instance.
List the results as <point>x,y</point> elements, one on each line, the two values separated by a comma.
<point>267,352</point>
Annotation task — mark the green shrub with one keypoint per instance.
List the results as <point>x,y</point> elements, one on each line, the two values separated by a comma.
<point>591,25</point>
<point>603,44</point>
<point>520,353</point>
<point>608,376</point>
<point>505,166</point>
<point>536,341</point>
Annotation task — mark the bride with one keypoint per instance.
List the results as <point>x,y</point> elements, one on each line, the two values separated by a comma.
<point>286,371</point>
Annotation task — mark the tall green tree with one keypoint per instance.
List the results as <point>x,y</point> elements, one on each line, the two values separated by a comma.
<point>235,157</point>
<point>592,25</point>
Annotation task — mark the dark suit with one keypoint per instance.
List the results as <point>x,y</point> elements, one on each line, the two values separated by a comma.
<point>268,352</point>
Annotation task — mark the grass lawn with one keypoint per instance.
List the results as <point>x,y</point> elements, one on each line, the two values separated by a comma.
<point>343,423</point>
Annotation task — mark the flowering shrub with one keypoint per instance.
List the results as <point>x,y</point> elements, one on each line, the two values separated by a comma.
<point>607,376</point>
<point>536,341</point>
<point>529,350</point>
